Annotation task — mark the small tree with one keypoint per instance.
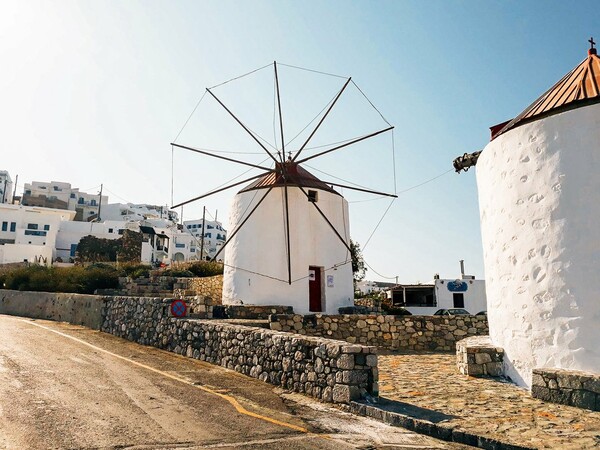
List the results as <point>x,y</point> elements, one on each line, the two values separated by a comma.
<point>358,264</point>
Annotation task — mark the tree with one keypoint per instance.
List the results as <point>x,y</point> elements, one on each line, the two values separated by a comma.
<point>358,263</point>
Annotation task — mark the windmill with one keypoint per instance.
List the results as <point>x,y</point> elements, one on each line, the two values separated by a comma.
<point>307,264</point>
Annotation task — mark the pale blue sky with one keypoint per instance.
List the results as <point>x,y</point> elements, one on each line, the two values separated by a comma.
<point>94,91</point>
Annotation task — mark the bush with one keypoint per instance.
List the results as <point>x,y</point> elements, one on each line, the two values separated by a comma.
<point>60,279</point>
<point>177,273</point>
<point>206,268</point>
<point>136,270</point>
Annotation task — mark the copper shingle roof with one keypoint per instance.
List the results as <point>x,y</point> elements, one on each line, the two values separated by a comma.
<point>295,176</point>
<point>580,87</point>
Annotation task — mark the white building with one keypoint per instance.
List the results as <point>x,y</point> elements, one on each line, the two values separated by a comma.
<point>539,200</point>
<point>60,195</point>
<point>425,299</point>
<point>6,187</point>
<point>214,236</point>
<point>131,212</point>
<point>366,287</point>
<point>28,233</point>
<point>256,260</point>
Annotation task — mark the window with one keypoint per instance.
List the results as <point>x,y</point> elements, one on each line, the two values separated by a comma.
<point>207,235</point>
<point>110,230</point>
<point>32,226</point>
<point>42,187</point>
<point>34,233</point>
<point>72,195</point>
<point>81,200</point>
<point>121,231</point>
<point>46,227</point>
<point>313,196</point>
<point>28,192</point>
<point>13,226</point>
<point>73,250</point>
<point>56,188</point>
<point>4,226</point>
<point>93,202</point>
<point>209,227</point>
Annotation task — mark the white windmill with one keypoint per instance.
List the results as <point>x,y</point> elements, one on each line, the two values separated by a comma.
<point>289,241</point>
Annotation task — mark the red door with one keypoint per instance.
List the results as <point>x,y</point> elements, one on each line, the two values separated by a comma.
<point>314,289</point>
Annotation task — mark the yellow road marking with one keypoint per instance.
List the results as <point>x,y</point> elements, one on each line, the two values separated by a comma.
<point>239,408</point>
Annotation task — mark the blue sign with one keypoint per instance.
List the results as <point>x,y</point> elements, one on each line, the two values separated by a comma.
<point>178,308</point>
<point>457,286</point>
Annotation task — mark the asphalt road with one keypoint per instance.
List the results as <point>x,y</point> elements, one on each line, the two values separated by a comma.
<point>64,386</point>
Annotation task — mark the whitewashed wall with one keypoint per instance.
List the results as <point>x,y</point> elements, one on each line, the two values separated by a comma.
<point>260,247</point>
<point>539,189</point>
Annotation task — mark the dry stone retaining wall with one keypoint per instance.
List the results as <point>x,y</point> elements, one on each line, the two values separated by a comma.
<point>392,332</point>
<point>211,287</point>
<point>322,368</point>
<point>568,387</point>
<point>477,356</point>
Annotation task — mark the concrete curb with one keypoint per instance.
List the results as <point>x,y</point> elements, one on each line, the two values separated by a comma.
<point>442,431</point>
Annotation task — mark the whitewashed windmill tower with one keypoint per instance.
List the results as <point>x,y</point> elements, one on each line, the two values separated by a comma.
<point>539,197</point>
<point>289,241</point>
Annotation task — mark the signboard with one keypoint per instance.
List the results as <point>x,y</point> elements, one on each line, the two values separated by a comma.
<point>457,286</point>
<point>329,280</point>
<point>178,308</point>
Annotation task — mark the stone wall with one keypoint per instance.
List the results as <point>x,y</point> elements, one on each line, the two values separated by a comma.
<point>322,368</point>
<point>568,387</point>
<point>476,356</point>
<point>251,311</point>
<point>78,309</point>
<point>392,332</point>
<point>205,287</point>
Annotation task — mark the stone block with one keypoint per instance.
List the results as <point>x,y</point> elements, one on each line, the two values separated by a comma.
<point>345,361</point>
<point>345,394</point>
<point>583,399</point>
<point>482,358</point>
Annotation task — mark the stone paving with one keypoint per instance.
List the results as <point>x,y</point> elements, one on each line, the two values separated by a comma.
<point>485,406</point>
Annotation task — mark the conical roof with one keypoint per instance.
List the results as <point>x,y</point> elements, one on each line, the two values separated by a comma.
<point>292,174</point>
<point>580,87</point>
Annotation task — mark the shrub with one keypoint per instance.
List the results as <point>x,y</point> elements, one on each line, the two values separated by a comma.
<point>206,268</point>
<point>136,270</point>
<point>177,273</point>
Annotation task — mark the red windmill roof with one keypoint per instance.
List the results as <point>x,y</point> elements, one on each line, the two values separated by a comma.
<point>291,173</point>
<point>580,87</point>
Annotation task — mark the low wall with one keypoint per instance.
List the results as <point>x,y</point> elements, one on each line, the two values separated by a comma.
<point>568,387</point>
<point>476,356</point>
<point>322,368</point>
<point>205,287</point>
<point>391,332</point>
<point>78,309</point>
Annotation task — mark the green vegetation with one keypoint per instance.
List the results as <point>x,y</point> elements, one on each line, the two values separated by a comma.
<point>85,280</point>
<point>77,279</point>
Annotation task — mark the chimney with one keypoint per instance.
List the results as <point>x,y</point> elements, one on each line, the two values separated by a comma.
<point>462,268</point>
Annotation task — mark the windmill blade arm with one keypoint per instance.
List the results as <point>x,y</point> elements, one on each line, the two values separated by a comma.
<point>203,152</point>
<point>242,125</point>
<point>239,227</point>
<point>327,220</point>
<point>354,141</point>
<point>360,189</point>
<point>287,229</point>
<point>218,190</point>
<point>322,119</point>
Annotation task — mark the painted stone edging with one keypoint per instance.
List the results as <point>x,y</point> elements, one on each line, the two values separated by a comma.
<point>443,431</point>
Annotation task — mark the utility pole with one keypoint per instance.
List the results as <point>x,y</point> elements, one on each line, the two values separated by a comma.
<point>202,238</point>
<point>15,191</point>
<point>4,190</point>
<point>216,213</point>
<point>100,203</point>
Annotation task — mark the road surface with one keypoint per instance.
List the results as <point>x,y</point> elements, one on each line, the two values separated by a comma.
<point>65,386</point>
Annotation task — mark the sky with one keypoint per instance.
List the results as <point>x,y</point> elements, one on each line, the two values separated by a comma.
<point>94,93</point>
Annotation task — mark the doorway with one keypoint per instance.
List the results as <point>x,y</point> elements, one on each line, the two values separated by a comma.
<point>459,300</point>
<point>315,303</point>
